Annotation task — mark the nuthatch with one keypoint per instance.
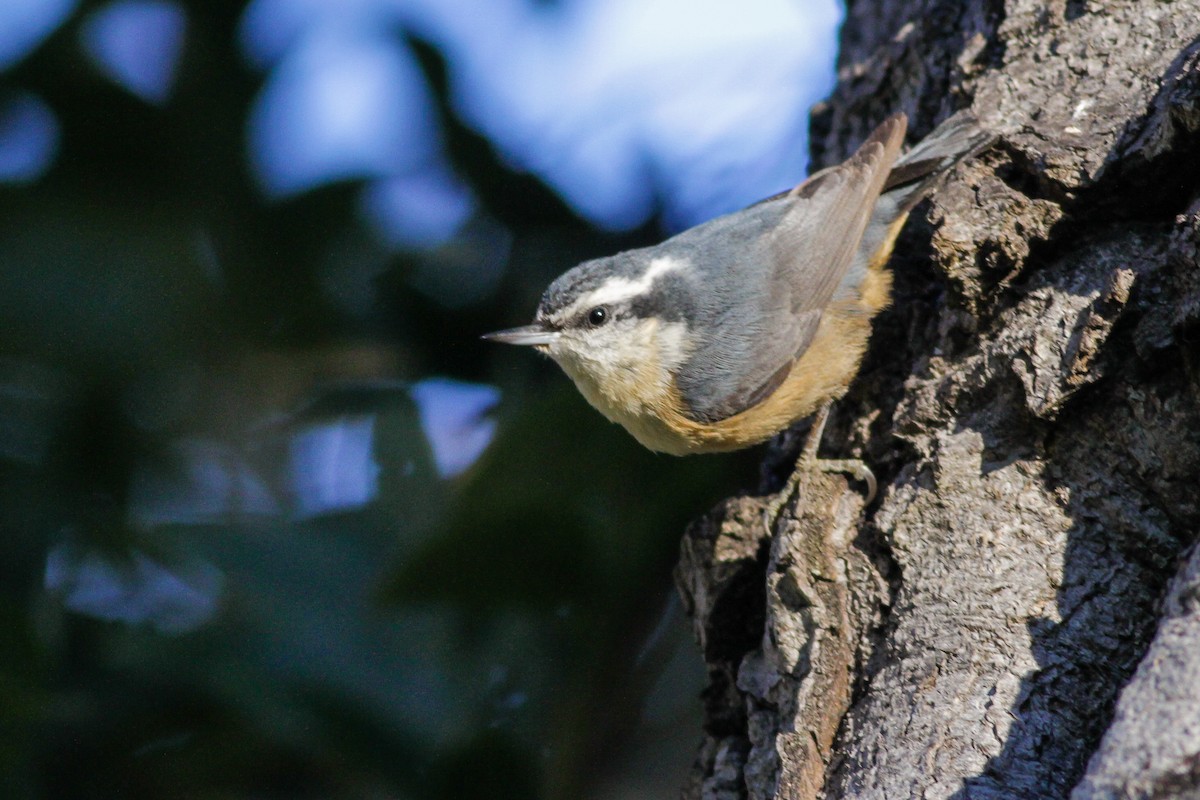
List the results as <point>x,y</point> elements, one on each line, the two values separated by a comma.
<point>729,332</point>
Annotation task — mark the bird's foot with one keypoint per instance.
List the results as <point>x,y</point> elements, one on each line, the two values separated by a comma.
<point>849,466</point>
<point>853,467</point>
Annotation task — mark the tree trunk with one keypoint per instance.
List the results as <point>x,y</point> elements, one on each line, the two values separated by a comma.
<point>1017,615</point>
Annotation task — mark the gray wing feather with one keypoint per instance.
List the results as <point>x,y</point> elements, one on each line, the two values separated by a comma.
<point>771,270</point>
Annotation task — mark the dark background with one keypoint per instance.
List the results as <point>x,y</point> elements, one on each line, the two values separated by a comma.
<point>275,522</point>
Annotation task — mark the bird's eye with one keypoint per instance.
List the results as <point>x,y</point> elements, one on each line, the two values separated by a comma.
<point>597,316</point>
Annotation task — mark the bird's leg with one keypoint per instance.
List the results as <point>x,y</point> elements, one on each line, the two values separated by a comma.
<point>808,461</point>
<point>850,466</point>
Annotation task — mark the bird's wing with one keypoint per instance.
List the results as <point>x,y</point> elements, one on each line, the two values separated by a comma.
<point>747,349</point>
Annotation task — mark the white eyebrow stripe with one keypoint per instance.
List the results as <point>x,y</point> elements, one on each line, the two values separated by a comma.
<point>618,289</point>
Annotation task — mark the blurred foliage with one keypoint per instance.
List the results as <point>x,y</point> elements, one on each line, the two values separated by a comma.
<point>491,635</point>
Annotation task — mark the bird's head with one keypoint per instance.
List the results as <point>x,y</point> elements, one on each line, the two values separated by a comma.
<point>617,326</point>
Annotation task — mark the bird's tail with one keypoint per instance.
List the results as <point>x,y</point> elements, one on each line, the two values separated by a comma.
<point>914,176</point>
<point>916,173</point>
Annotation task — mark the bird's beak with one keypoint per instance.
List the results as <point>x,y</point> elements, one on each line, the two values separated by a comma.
<point>534,335</point>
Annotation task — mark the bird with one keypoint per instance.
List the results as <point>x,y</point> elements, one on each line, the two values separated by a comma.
<point>726,334</point>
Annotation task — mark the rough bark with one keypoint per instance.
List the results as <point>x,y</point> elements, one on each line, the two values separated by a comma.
<point>1003,621</point>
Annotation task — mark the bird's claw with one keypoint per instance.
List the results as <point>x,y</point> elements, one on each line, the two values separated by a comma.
<point>849,466</point>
